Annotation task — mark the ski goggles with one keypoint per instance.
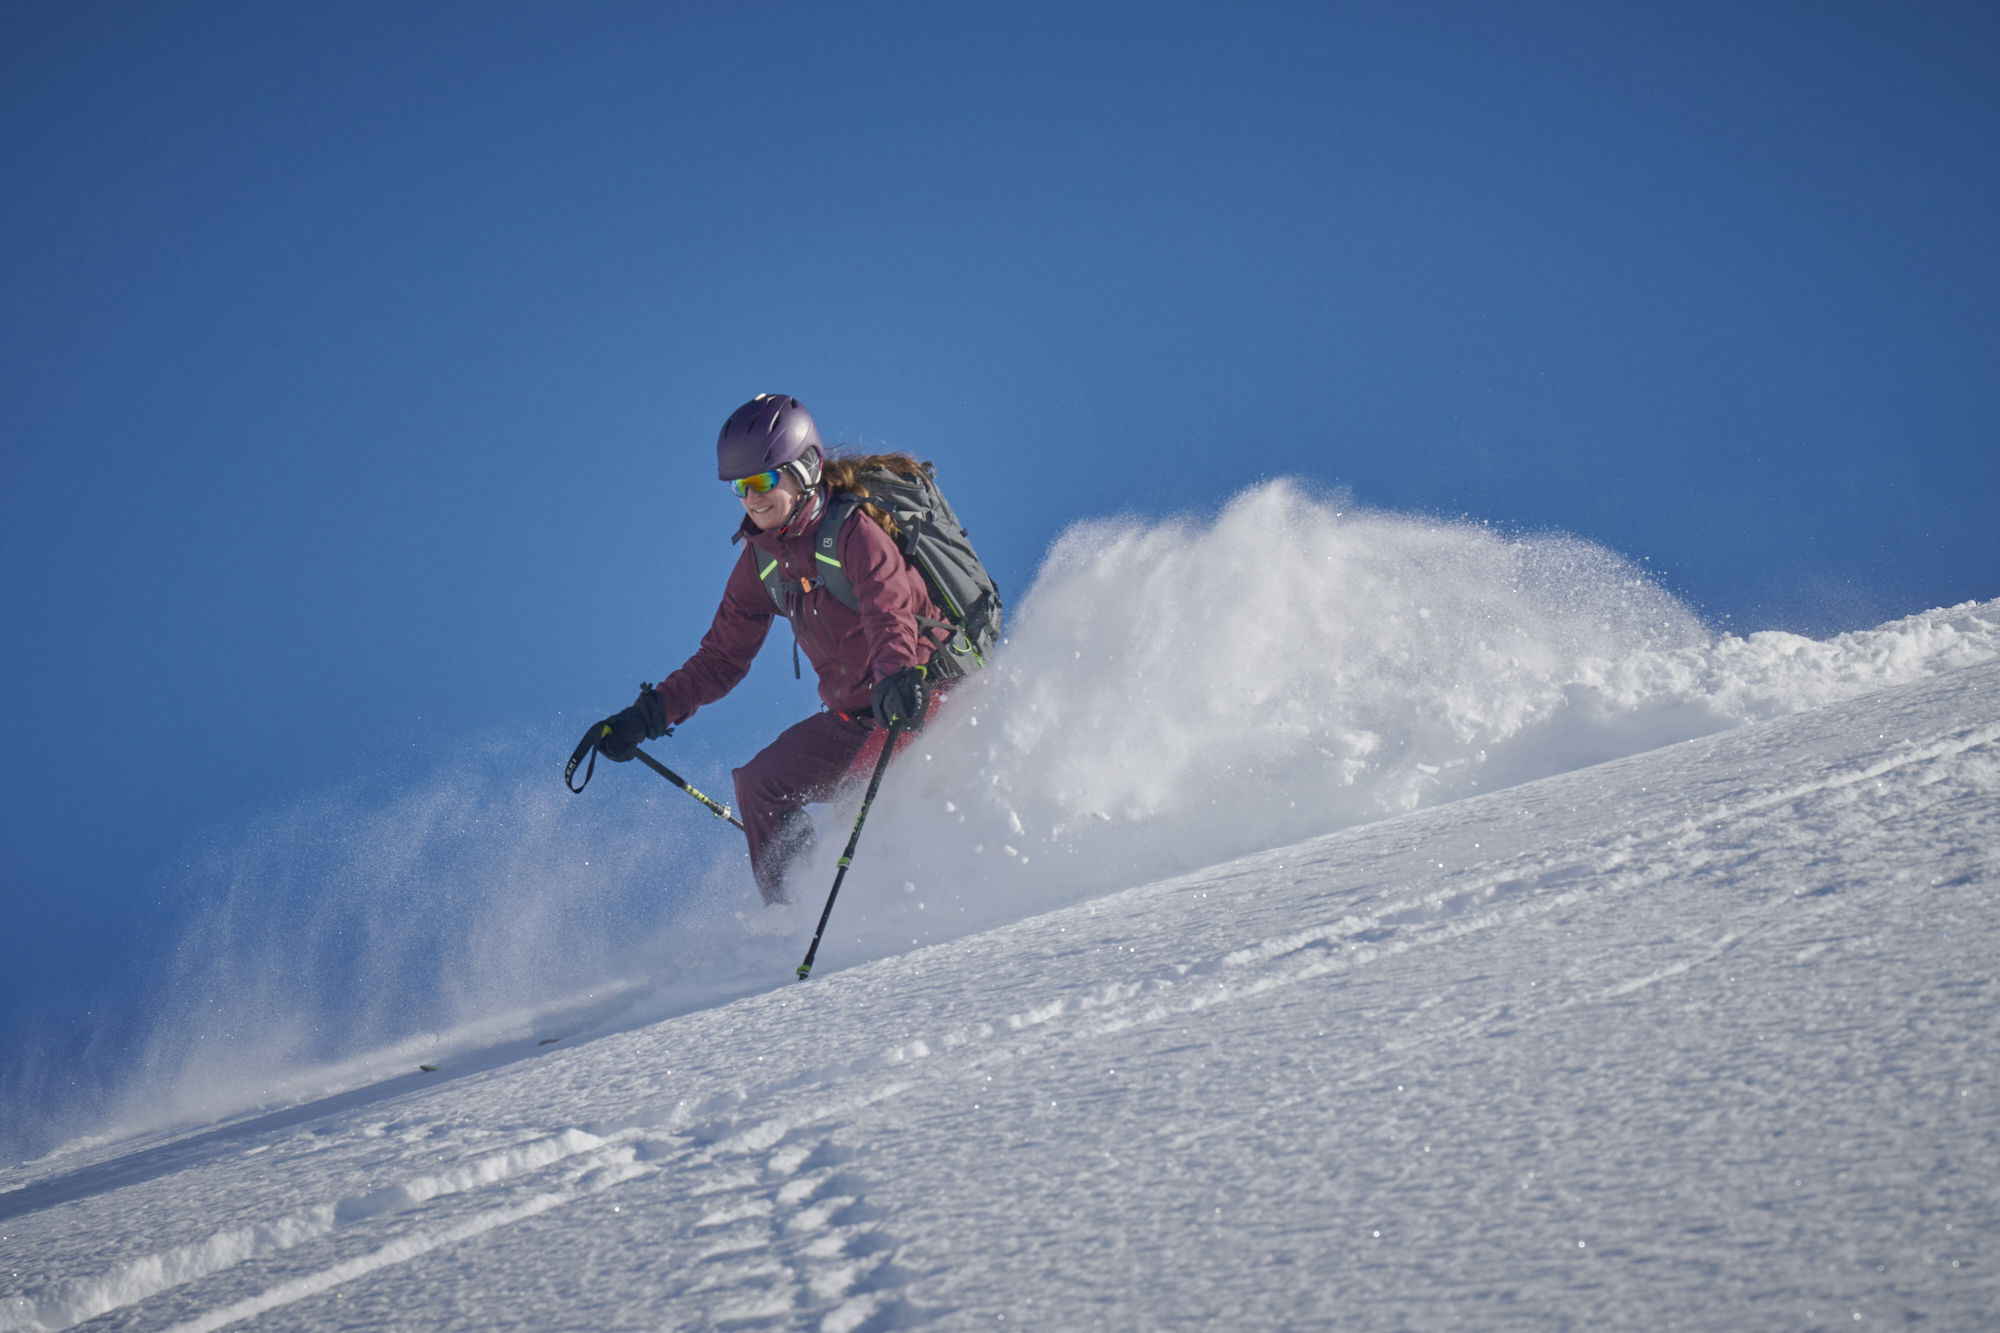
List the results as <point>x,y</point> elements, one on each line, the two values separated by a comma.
<point>759,484</point>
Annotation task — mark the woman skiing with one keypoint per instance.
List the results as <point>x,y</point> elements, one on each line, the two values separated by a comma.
<point>871,660</point>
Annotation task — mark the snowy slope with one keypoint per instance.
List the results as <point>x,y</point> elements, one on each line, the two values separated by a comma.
<point>1174,692</point>
<point>1703,1037</point>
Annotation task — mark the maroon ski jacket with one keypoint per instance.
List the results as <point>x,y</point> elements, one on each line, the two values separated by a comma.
<point>851,650</point>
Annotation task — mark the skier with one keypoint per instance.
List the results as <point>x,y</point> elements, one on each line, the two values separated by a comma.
<point>872,661</point>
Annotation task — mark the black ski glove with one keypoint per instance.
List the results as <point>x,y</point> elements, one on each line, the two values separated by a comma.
<point>901,700</point>
<point>618,736</point>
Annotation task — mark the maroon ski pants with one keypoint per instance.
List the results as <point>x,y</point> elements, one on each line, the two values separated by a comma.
<point>808,762</point>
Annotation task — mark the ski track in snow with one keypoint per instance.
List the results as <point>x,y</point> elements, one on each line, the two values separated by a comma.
<point>1372,985</point>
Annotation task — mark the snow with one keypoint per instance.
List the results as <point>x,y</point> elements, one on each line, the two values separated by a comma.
<point>1341,976</point>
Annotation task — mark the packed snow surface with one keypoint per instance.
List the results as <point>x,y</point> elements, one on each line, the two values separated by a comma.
<point>1316,917</point>
<point>1702,1037</point>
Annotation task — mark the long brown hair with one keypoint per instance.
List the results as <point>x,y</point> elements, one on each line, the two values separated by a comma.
<point>842,472</point>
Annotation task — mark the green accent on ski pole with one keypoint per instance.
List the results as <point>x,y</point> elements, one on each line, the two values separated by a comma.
<point>715,808</point>
<point>847,857</point>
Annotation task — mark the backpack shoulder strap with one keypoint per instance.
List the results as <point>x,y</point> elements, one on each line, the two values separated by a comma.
<point>840,507</point>
<point>767,571</point>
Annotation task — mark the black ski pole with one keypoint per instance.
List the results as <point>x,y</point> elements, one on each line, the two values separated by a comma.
<point>846,857</point>
<point>588,746</point>
<point>715,808</point>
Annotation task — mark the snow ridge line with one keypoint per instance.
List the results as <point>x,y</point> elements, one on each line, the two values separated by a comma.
<point>71,1301</point>
<point>823,1270</point>
<point>826,1270</point>
<point>396,1252</point>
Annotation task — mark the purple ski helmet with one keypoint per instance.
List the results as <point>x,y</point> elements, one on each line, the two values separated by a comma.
<point>770,431</point>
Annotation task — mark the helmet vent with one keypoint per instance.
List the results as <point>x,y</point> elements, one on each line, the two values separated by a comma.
<point>770,430</point>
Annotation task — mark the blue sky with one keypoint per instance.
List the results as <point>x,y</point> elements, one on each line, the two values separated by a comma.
<point>362,362</point>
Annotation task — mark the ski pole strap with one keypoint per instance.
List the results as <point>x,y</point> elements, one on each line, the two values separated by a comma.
<point>586,746</point>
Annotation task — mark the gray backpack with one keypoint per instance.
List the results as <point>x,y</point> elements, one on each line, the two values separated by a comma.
<point>936,543</point>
